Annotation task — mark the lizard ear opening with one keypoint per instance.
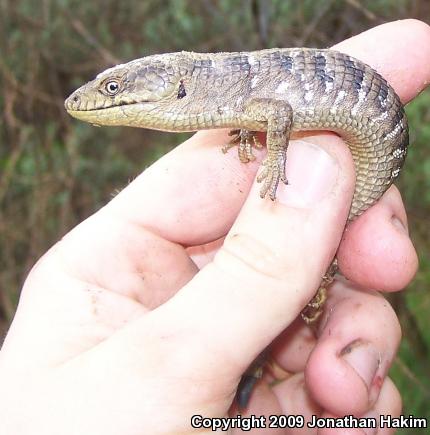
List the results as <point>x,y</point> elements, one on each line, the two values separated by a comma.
<point>181,91</point>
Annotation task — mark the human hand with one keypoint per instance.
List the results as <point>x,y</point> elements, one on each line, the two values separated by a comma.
<point>118,331</point>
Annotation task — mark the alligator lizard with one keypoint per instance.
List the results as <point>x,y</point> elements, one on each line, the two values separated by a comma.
<point>274,90</point>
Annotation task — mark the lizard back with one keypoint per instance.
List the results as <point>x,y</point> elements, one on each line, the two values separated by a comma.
<point>327,90</point>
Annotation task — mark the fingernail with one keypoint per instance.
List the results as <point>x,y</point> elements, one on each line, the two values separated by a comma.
<point>311,174</point>
<point>364,359</point>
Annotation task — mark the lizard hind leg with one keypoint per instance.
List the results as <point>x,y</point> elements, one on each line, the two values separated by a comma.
<point>246,140</point>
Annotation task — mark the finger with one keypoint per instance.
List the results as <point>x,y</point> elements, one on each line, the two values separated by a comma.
<point>295,401</point>
<point>292,349</point>
<point>200,184</point>
<point>284,405</point>
<point>267,269</point>
<point>204,254</point>
<point>121,257</point>
<point>289,399</point>
<point>389,404</point>
<point>92,279</point>
<point>192,194</point>
<point>376,251</point>
<point>354,352</point>
<point>412,40</point>
<point>263,403</point>
<point>387,407</point>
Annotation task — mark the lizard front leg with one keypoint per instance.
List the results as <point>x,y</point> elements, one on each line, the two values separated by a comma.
<point>275,116</point>
<point>279,116</point>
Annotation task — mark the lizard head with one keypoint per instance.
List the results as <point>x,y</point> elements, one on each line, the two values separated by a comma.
<point>136,93</point>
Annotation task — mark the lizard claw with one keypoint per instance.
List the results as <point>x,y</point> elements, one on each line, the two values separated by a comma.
<point>256,142</point>
<point>246,140</point>
<point>272,172</point>
<point>235,133</point>
<point>314,308</point>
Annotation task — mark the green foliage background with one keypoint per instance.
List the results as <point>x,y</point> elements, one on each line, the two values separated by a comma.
<point>54,171</point>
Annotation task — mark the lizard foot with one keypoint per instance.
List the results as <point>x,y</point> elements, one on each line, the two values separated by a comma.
<point>314,308</point>
<point>246,140</point>
<point>272,171</point>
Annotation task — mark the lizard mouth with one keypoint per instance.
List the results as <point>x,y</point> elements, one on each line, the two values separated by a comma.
<point>97,116</point>
<point>123,114</point>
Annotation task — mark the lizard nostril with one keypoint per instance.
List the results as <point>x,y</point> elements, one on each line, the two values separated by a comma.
<point>73,102</point>
<point>76,101</point>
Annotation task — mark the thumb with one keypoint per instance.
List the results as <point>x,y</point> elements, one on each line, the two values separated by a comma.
<point>269,267</point>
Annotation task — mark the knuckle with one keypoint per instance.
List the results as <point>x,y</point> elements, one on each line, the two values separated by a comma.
<point>252,259</point>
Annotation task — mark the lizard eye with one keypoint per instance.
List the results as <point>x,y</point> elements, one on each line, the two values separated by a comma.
<point>112,87</point>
